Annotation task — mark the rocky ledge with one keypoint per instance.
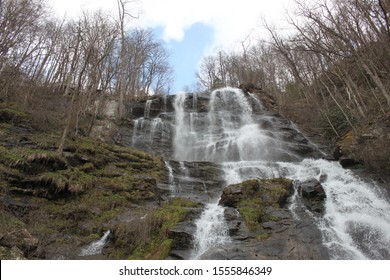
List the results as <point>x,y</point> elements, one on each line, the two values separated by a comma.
<point>262,223</point>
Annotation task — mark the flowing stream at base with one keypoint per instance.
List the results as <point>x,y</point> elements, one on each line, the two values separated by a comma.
<point>248,142</point>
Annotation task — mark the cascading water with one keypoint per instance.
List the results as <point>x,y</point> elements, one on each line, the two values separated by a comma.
<point>227,133</point>
<point>96,247</point>
<point>248,145</point>
<point>211,230</point>
<point>147,130</point>
<point>231,132</point>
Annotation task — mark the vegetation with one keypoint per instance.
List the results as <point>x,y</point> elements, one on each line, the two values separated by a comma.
<point>67,200</point>
<point>155,244</point>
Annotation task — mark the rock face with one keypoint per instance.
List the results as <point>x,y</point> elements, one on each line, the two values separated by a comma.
<point>263,226</point>
<point>182,235</point>
<point>199,181</point>
<point>313,195</point>
<point>270,191</point>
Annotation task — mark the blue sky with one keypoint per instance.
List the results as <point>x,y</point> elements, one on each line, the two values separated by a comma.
<point>191,28</point>
<point>186,53</point>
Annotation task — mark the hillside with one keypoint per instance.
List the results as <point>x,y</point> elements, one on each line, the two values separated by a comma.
<point>52,205</point>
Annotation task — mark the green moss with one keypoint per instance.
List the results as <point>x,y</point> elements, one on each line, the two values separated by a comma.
<point>255,196</point>
<point>9,155</point>
<point>102,182</point>
<point>10,115</point>
<point>157,246</point>
<point>10,223</point>
<point>263,236</point>
<point>175,211</point>
<point>253,212</point>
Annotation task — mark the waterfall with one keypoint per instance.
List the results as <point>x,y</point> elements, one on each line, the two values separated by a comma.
<point>211,230</point>
<point>148,105</point>
<point>227,133</point>
<point>171,179</point>
<point>96,247</point>
<point>237,134</point>
<point>232,132</point>
<point>146,129</point>
<point>195,101</point>
<point>356,224</point>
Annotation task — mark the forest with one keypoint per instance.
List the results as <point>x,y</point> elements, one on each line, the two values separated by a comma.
<point>329,74</point>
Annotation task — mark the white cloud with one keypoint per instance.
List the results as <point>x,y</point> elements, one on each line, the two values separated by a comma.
<point>231,20</point>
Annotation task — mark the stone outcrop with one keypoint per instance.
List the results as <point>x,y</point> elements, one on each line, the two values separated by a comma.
<point>182,235</point>
<point>271,191</point>
<point>199,180</point>
<point>267,100</point>
<point>313,195</point>
<point>262,226</point>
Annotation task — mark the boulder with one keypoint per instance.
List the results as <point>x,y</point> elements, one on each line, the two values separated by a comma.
<point>313,195</point>
<point>337,153</point>
<point>270,191</point>
<point>347,162</point>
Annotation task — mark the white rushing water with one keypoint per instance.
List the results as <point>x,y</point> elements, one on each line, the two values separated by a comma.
<point>96,247</point>
<point>146,129</point>
<point>356,224</point>
<point>211,230</point>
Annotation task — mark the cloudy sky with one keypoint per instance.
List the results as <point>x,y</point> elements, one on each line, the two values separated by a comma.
<point>191,28</point>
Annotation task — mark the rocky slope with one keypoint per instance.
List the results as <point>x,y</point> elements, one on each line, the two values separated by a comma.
<point>54,205</point>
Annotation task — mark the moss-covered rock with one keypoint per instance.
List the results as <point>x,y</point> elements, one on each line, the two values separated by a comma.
<point>75,195</point>
<point>146,234</point>
<point>252,197</point>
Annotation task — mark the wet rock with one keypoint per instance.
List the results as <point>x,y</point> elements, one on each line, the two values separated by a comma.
<point>347,162</point>
<point>286,239</point>
<point>270,191</point>
<point>337,153</point>
<point>216,253</point>
<point>180,255</point>
<point>236,224</point>
<point>231,196</point>
<point>270,225</point>
<point>200,180</point>
<point>278,235</point>
<point>182,235</point>
<point>313,195</point>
